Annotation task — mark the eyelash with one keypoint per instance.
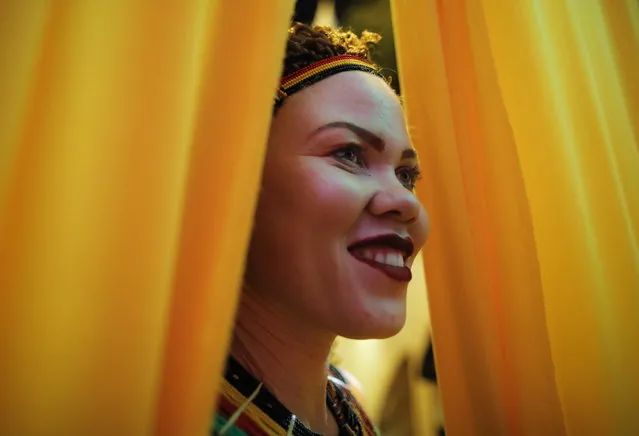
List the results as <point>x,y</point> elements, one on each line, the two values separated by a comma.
<point>359,151</point>
<point>413,176</point>
<point>413,172</point>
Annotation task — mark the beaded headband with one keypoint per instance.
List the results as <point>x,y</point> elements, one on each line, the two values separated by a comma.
<point>317,71</point>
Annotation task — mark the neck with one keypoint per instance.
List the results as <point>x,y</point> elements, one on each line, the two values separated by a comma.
<point>286,356</point>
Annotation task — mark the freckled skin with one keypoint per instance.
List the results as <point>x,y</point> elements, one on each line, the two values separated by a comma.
<point>311,208</point>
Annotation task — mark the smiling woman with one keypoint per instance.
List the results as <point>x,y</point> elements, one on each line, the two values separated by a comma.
<point>336,231</point>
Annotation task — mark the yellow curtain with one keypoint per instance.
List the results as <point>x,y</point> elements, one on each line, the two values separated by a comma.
<point>131,142</point>
<point>526,115</point>
<point>130,159</point>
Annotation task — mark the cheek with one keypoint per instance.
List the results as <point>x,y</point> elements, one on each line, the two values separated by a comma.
<point>306,210</point>
<point>315,194</point>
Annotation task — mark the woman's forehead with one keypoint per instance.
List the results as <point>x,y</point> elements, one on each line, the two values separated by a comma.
<point>354,97</point>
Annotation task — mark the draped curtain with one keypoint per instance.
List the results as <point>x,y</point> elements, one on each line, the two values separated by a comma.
<point>131,140</point>
<point>526,115</point>
<point>132,136</point>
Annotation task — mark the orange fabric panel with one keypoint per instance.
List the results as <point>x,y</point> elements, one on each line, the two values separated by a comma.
<point>132,142</point>
<point>524,118</point>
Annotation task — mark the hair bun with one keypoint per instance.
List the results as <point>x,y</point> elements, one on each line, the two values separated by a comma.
<point>308,44</point>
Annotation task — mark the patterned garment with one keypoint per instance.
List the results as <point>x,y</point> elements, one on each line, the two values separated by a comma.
<point>266,416</point>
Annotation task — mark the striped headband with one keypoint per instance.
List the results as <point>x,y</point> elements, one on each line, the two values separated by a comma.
<point>317,71</point>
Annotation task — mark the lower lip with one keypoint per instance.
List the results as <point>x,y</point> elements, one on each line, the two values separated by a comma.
<point>399,273</point>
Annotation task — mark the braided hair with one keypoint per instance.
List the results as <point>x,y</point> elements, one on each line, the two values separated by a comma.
<point>308,44</point>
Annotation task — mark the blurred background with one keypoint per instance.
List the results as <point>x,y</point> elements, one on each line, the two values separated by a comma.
<point>398,375</point>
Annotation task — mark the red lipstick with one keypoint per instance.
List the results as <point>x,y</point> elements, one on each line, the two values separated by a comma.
<point>386,253</point>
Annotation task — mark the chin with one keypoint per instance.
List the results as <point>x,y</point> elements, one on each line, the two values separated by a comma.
<point>382,327</point>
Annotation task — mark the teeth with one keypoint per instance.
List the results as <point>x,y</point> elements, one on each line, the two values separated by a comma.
<point>392,258</point>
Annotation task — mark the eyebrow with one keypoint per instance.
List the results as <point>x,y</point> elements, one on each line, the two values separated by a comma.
<point>365,135</point>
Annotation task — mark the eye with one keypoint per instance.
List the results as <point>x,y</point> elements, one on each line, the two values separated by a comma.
<point>408,176</point>
<point>352,155</point>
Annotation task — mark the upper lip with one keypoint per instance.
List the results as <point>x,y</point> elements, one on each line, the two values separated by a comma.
<point>404,245</point>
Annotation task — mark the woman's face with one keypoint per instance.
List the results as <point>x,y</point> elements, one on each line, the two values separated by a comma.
<point>338,223</point>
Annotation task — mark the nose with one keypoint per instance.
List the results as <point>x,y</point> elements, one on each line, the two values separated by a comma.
<point>395,201</point>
